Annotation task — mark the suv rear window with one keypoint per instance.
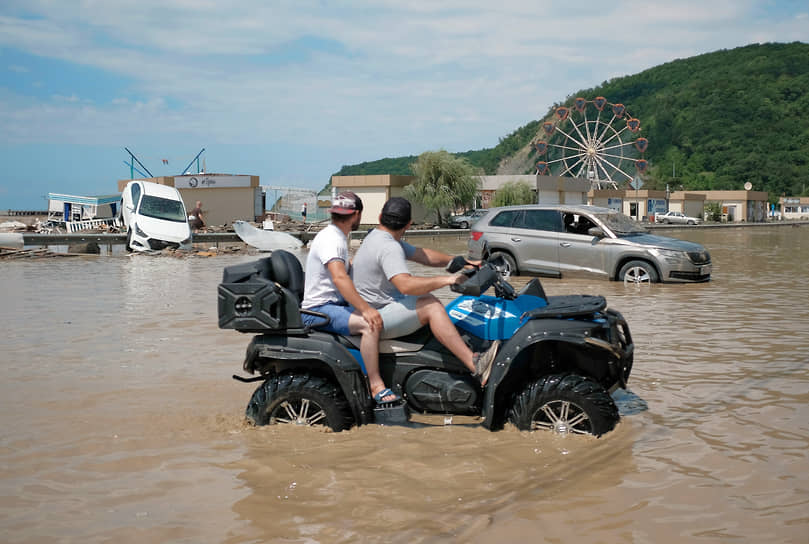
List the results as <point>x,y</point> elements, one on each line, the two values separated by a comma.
<point>504,219</point>
<point>550,220</point>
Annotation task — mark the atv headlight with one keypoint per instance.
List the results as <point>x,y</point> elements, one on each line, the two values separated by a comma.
<point>139,232</point>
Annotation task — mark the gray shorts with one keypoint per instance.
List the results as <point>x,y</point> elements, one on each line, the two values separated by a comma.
<point>400,317</point>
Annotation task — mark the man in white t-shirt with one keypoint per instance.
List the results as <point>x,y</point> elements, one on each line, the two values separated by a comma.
<point>328,289</point>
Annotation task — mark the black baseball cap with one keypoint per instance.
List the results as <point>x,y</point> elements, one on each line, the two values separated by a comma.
<point>396,213</point>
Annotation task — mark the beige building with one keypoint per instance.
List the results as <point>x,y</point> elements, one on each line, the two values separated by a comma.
<point>374,191</point>
<point>690,204</point>
<point>225,197</point>
<point>641,205</point>
<point>549,189</point>
<point>738,206</point>
<point>794,207</point>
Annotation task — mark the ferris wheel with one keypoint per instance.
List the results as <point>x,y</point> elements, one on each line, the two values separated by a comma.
<point>596,140</point>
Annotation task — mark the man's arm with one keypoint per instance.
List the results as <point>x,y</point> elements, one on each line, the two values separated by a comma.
<point>408,284</point>
<point>430,257</point>
<point>342,281</point>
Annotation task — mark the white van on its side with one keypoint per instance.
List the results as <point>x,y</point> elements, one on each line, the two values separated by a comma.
<point>154,216</point>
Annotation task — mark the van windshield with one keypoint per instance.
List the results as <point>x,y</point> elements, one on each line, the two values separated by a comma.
<point>620,224</point>
<point>162,208</point>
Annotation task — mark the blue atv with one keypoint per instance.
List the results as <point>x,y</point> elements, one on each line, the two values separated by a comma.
<point>559,360</point>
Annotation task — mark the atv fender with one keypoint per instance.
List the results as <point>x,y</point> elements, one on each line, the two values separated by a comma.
<point>319,352</point>
<point>600,361</point>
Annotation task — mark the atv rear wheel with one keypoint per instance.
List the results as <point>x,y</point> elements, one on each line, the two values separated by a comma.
<point>299,398</point>
<point>563,404</point>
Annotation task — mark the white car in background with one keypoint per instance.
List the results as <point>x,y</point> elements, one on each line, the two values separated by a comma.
<point>677,218</point>
<point>154,216</point>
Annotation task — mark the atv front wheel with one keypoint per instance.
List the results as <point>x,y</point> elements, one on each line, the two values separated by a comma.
<point>299,398</point>
<point>563,404</point>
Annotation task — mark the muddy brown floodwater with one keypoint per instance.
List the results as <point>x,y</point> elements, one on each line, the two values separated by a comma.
<point>120,422</point>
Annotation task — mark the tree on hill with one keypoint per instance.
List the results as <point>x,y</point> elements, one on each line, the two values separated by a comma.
<point>512,193</point>
<point>443,182</point>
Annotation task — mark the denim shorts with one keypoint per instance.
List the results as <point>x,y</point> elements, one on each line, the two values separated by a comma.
<point>338,315</point>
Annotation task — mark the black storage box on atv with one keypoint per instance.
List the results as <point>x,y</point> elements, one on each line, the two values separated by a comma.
<point>262,296</point>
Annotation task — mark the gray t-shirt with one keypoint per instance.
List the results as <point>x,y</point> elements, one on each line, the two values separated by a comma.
<point>379,258</point>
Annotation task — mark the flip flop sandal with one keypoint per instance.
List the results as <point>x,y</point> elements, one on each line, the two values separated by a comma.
<point>386,393</point>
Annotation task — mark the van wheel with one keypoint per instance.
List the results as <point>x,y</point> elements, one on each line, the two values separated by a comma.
<point>299,398</point>
<point>564,404</point>
<point>509,267</point>
<point>638,272</point>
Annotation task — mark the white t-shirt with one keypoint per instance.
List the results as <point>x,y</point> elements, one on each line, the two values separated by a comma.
<point>328,245</point>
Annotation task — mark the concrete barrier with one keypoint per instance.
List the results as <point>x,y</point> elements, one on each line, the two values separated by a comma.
<point>11,239</point>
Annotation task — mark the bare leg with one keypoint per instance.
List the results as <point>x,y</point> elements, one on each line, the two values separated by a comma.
<point>430,310</point>
<point>369,349</point>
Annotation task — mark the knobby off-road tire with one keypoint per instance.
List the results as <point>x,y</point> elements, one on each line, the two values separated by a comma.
<point>129,240</point>
<point>510,268</point>
<point>638,272</point>
<point>564,403</point>
<point>299,398</point>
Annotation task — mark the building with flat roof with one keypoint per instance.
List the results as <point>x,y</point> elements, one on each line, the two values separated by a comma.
<point>737,206</point>
<point>794,207</point>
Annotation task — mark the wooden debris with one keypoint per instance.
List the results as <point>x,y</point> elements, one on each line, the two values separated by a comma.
<point>12,253</point>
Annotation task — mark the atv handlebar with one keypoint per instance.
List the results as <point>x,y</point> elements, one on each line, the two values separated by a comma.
<point>481,278</point>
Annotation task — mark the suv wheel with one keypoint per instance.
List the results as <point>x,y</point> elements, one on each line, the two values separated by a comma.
<point>509,267</point>
<point>564,404</point>
<point>299,398</point>
<point>638,272</point>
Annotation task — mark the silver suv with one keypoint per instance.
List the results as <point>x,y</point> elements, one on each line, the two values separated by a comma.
<point>556,240</point>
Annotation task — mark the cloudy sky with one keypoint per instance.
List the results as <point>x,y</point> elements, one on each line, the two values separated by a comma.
<point>293,90</point>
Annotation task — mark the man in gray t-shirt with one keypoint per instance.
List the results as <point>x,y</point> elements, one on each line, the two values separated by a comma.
<point>404,301</point>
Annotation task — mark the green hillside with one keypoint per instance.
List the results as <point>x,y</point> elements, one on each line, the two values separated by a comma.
<point>716,121</point>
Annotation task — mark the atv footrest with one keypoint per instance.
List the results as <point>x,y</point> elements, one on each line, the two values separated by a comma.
<point>392,414</point>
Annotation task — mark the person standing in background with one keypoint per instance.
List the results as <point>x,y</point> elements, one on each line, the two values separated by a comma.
<point>303,212</point>
<point>195,220</point>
